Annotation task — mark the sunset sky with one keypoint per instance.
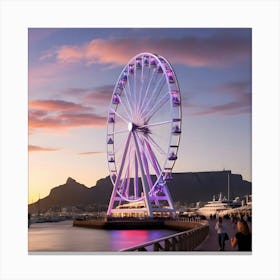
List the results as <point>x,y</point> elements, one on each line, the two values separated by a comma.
<point>72,73</point>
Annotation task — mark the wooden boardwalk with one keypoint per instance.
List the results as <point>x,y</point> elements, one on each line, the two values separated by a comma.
<point>211,241</point>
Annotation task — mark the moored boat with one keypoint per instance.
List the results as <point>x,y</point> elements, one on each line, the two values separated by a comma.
<point>218,206</point>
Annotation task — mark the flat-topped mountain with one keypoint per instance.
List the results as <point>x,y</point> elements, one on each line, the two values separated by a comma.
<point>185,187</point>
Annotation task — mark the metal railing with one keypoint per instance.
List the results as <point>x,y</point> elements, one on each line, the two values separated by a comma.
<point>182,241</point>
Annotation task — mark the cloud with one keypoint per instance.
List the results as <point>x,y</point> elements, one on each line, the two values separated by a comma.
<point>91,153</point>
<point>100,95</point>
<point>42,74</point>
<point>59,114</point>
<point>219,50</point>
<point>70,54</point>
<point>97,96</point>
<point>32,148</point>
<point>230,108</point>
<point>66,121</point>
<point>240,101</point>
<point>75,91</point>
<point>57,105</point>
<point>233,88</point>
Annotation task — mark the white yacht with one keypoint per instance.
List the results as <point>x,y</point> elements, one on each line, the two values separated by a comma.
<point>215,206</point>
<point>221,206</point>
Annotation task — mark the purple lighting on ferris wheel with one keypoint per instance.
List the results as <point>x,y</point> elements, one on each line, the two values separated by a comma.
<point>143,135</point>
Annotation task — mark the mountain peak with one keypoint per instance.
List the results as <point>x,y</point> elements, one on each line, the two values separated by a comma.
<point>70,180</point>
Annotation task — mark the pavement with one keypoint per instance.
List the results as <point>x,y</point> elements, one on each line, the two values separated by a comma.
<point>211,241</point>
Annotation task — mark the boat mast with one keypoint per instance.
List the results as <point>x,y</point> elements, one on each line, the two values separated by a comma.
<point>228,181</point>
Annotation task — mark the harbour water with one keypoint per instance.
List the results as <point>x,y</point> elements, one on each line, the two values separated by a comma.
<point>63,237</point>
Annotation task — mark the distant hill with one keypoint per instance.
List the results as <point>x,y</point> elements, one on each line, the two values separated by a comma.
<point>185,187</point>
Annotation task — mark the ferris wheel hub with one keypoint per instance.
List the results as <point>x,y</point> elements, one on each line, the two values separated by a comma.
<point>130,126</point>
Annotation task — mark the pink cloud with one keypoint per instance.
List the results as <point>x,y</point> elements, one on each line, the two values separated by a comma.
<point>32,148</point>
<point>220,50</point>
<point>66,121</point>
<point>56,105</point>
<point>59,114</point>
<point>91,153</point>
<point>43,73</point>
<point>74,120</point>
<point>69,54</point>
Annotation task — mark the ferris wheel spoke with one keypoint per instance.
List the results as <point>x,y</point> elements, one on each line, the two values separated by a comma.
<point>157,96</point>
<point>128,114</point>
<point>156,107</point>
<point>144,79</point>
<point>145,155</point>
<point>118,114</point>
<point>123,187</point>
<point>130,96</point>
<point>134,88</point>
<point>144,90</point>
<point>147,171</point>
<point>138,161</point>
<point>145,177</point>
<point>139,99</point>
<point>153,97</point>
<point>148,114</point>
<point>153,159</point>
<point>141,88</point>
<point>153,142</point>
<point>123,159</point>
<point>147,90</point>
<point>155,124</point>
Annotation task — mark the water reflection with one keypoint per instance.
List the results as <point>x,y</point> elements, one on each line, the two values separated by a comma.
<point>63,237</point>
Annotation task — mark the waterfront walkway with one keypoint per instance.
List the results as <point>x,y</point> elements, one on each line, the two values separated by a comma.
<point>211,243</point>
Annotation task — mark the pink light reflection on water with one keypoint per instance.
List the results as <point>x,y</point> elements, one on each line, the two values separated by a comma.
<point>63,237</point>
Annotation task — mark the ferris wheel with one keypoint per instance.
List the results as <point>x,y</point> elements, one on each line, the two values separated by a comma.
<point>143,134</point>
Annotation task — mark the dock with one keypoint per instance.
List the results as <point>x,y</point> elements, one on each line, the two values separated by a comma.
<point>119,224</point>
<point>180,225</point>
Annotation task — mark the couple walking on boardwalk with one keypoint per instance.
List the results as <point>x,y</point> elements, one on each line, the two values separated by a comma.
<point>222,235</point>
<point>242,239</point>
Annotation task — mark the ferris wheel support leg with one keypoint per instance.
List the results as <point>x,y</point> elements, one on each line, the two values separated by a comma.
<point>145,182</point>
<point>153,158</point>
<point>136,187</point>
<point>146,167</point>
<point>155,165</point>
<point>113,196</point>
<point>169,199</point>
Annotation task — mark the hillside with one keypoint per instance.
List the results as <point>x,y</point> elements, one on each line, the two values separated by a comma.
<point>185,187</point>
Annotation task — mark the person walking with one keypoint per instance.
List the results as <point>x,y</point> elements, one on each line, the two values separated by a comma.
<point>243,237</point>
<point>219,227</point>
